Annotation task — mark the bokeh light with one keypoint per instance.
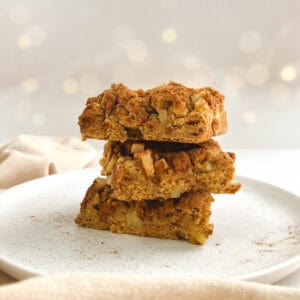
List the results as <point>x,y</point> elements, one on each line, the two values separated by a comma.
<point>249,117</point>
<point>167,4</point>
<point>169,35</point>
<point>70,86</point>
<point>24,41</point>
<point>32,37</point>
<point>37,35</point>
<point>192,62</point>
<point>137,51</point>
<point>30,85</point>
<point>288,73</point>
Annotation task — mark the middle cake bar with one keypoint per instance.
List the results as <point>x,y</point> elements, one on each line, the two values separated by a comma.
<point>150,170</point>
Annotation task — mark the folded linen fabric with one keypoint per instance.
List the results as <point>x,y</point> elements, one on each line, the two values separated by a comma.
<point>28,157</point>
<point>91,286</point>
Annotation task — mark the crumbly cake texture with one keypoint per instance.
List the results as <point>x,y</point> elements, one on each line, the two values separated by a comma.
<point>148,170</point>
<point>186,217</point>
<point>169,112</point>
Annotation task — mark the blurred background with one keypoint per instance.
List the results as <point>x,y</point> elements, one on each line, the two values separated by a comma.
<point>56,54</point>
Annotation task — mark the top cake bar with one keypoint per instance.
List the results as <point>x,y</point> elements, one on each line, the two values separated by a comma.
<point>170,112</point>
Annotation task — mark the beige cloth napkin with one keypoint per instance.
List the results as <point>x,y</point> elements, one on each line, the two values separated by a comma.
<point>29,157</point>
<point>107,286</point>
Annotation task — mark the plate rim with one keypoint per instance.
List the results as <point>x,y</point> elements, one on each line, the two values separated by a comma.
<point>21,271</point>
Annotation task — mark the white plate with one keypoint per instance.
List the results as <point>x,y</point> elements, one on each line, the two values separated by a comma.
<point>256,235</point>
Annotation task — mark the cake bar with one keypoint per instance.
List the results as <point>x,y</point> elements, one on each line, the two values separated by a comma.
<point>149,170</point>
<point>186,217</point>
<point>169,112</point>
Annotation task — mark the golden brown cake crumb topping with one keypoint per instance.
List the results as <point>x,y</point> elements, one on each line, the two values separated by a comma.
<point>169,112</point>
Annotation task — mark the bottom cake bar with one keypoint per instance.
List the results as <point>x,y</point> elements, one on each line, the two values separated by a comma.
<point>186,217</point>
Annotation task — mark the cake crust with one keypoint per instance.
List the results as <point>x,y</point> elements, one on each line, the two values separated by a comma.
<point>186,217</point>
<point>169,112</point>
<point>149,170</point>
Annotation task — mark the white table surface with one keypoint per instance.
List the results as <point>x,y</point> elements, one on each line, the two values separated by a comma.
<point>279,167</point>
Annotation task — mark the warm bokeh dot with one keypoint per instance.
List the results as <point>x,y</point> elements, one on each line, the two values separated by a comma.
<point>137,51</point>
<point>168,4</point>
<point>34,36</point>
<point>192,62</point>
<point>30,85</point>
<point>37,35</point>
<point>24,41</point>
<point>288,73</point>
<point>70,86</point>
<point>169,35</point>
<point>249,117</point>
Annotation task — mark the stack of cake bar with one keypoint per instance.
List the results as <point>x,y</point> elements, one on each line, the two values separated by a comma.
<point>160,162</point>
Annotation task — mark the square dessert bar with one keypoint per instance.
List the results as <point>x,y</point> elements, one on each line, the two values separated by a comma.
<point>149,170</point>
<point>169,112</point>
<point>186,217</point>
